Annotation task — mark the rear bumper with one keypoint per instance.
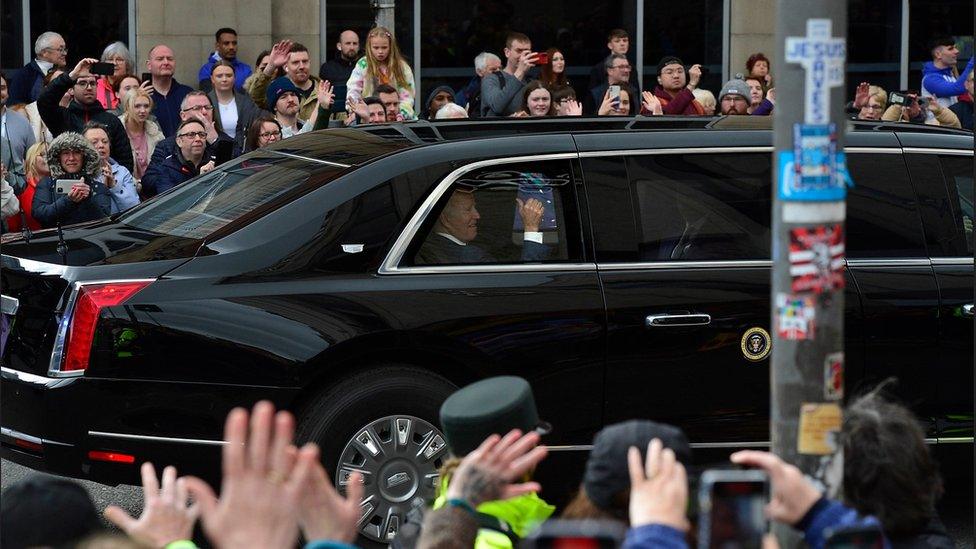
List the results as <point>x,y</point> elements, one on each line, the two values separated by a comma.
<point>52,424</point>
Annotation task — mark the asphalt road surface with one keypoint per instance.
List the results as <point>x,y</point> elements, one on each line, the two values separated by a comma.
<point>956,508</point>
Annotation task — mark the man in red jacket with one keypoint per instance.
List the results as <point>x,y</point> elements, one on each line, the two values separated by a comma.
<point>674,88</point>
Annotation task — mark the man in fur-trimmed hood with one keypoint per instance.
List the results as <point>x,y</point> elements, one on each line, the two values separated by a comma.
<point>70,156</point>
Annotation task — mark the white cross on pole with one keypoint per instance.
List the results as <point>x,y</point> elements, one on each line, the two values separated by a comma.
<point>822,57</point>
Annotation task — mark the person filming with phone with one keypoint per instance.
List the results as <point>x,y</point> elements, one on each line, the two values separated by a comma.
<point>82,109</point>
<point>72,193</point>
<point>911,108</point>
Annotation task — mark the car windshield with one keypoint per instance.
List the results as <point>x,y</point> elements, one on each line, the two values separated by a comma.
<point>207,203</point>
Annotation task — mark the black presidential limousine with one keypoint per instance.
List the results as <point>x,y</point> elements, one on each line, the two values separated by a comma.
<point>357,276</point>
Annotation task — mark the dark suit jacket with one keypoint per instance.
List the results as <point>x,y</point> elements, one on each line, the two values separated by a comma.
<point>438,250</point>
<point>25,85</point>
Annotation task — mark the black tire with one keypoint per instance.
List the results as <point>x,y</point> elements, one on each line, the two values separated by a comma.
<point>332,418</point>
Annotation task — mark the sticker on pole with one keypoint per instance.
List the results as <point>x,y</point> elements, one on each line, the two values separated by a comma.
<point>796,317</point>
<point>816,177</point>
<point>817,258</point>
<point>822,58</point>
<point>834,376</point>
<point>820,424</point>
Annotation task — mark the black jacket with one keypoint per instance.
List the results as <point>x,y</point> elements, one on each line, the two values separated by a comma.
<point>154,181</point>
<point>964,110</point>
<point>247,112</point>
<point>175,171</point>
<point>25,85</point>
<point>73,118</point>
<point>337,71</point>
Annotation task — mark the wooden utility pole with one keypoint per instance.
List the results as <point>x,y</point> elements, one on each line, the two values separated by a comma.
<point>810,184</point>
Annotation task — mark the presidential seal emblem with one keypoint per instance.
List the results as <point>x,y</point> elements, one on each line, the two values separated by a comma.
<point>755,344</point>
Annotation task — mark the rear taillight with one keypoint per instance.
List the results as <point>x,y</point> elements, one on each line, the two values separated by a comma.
<point>78,326</point>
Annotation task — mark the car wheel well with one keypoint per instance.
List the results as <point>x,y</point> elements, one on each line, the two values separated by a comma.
<point>445,366</point>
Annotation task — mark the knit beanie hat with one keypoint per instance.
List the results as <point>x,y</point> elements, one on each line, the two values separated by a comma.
<point>736,86</point>
<point>278,87</point>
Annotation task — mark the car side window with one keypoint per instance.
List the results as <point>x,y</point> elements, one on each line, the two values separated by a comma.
<point>958,171</point>
<point>694,207</point>
<point>503,214</point>
<point>882,214</point>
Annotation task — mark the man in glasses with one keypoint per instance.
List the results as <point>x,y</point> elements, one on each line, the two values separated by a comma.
<point>189,159</point>
<point>219,146</point>
<point>618,72</point>
<point>82,109</point>
<point>26,84</point>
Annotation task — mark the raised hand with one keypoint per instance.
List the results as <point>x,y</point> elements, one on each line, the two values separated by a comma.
<point>694,76</point>
<point>607,106</point>
<point>264,476</point>
<point>325,95</point>
<point>491,471</point>
<point>278,56</point>
<point>573,108</point>
<point>326,515</point>
<point>166,516</point>
<point>651,103</point>
<point>83,66</point>
<point>862,95</point>
<point>531,212</point>
<point>792,494</point>
<point>79,191</point>
<point>658,488</point>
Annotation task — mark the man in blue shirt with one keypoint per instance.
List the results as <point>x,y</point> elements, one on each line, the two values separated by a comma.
<point>225,48</point>
<point>167,93</point>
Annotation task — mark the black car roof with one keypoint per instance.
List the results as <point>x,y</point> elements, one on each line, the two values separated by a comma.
<point>359,145</point>
<point>423,131</point>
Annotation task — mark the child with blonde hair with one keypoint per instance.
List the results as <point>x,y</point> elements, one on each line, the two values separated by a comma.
<point>382,64</point>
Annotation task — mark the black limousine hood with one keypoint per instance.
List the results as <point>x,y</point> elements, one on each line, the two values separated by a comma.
<point>102,243</point>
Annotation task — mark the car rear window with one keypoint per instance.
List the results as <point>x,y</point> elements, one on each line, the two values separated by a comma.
<point>209,202</point>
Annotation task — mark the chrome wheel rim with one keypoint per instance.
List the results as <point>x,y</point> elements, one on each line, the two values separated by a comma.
<point>399,457</point>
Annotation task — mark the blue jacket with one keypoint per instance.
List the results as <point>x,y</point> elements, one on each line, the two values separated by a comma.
<point>166,108</point>
<point>241,71</point>
<point>49,207</point>
<point>124,194</point>
<point>655,536</point>
<point>175,171</point>
<point>941,83</point>
<point>25,85</point>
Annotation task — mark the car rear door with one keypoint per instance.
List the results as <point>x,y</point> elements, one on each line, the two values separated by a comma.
<point>682,247</point>
<point>887,257</point>
<point>942,173</point>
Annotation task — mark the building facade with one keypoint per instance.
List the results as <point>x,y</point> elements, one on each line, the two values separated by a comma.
<point>886,38</point>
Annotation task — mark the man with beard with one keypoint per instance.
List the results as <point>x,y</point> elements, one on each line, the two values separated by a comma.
<point>294,58</point>
<point>338,69</point>
<point>734,98</point>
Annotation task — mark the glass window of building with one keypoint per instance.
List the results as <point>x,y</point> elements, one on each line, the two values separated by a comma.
<point>931,18</point>
<point>453,33</point>
<point>691,30</point>
<point>86,25</point>
<point>873,44</point>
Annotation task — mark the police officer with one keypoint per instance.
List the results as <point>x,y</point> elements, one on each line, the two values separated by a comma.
<point>469,416</point>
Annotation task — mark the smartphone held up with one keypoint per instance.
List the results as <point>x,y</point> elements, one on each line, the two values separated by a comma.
<point>731,506</point>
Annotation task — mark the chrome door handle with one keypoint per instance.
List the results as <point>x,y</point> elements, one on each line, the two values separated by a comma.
<point>663,321</point>
<point>967,310</point>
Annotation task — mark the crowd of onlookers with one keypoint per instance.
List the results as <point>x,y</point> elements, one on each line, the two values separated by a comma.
<point>636,479</point>
<point>123,136</point>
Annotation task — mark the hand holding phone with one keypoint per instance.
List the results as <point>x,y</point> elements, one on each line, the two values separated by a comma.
<point>731,508</point>
<point>615,96</point>
<point>102,69</point>
<point>542,58</point>
<point>64,186</point>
